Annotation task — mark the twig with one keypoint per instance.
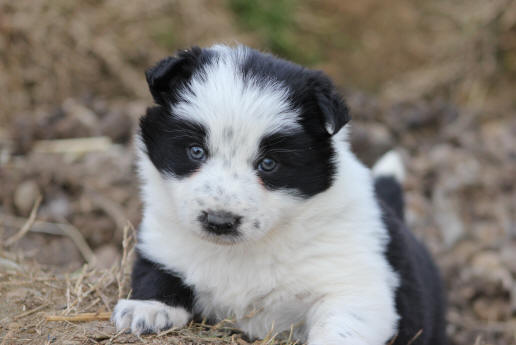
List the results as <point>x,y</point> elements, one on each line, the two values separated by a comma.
<point>32,311</point>
<point>68,295</point>
<point>58,229</point>
<point>112,208</point>
<point>25,282</point>
<point>10,264</point>
<point>77,238</point>
<point>116,335</point>
<point>415,337</point>
<point>83,317</point>
<point>75,145</point>
<point>393,339</point>
<point>167,332</point>
<point>92,304</point>
<point>39,225</point>
<point>28,224</point>
<point>127,251</point>
<point>103,298</point>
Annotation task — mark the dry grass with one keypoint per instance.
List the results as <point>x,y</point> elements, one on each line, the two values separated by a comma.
<point>42,307</point>
<point>33,293</point>
<point>58,49</point>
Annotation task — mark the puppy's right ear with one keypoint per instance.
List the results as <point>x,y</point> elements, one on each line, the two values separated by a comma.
<point>171,73</point>
<point>334,111</point>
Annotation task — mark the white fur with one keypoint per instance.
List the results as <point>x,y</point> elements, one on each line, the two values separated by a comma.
<point>143,316</point>
<point>390,164</point>
<point>316,264</point>
<point>250,107</point>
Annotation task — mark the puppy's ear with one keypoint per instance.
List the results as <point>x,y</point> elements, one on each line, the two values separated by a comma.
<point>335,113</point>
<point>171,73</point>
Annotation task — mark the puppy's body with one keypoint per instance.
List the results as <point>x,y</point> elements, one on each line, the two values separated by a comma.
<point>303,246</point>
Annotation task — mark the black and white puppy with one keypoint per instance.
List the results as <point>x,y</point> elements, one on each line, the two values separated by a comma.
<point>256,209</point>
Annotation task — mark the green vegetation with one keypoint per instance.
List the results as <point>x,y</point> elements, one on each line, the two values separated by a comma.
<point>163,33</point>
<point>273,21</point>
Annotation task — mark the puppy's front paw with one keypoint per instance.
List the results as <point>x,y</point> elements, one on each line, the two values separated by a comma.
<point>147,316</point>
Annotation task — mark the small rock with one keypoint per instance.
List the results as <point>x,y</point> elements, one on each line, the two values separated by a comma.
<point>491,309</point>
<point>508,257</point>
<point>8,264</point>
<point>464,251</point>
<point>13,326</point>
<point>448,219</point>
<point>370,141</point>
<point>106,256</point>
<point>488,267</point>
<point>58,207</point>
<point>25,196</point>
<point>80,112</point>
<point>46,248</point>
<point>117,126</point>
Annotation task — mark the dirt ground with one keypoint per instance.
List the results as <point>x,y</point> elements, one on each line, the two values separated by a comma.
<point>435,80</point>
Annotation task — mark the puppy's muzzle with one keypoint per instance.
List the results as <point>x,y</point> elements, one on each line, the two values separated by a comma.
<point>220,222</point>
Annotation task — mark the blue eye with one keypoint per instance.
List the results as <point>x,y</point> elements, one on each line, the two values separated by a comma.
<point>197,153</point>
<point>267,165</point>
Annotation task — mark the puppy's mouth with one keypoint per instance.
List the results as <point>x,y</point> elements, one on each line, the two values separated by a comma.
<point>227,240</point>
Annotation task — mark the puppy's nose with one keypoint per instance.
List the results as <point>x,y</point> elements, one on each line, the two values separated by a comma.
<point>220,222</point>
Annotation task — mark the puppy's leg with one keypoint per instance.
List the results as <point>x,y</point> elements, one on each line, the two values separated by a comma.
<point>343,321</point>
<point>160,300</point>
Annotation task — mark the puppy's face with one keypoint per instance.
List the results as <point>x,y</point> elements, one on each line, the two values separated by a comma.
<point>239,139</point>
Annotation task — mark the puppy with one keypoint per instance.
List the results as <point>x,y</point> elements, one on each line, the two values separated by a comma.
<point>255,209</point>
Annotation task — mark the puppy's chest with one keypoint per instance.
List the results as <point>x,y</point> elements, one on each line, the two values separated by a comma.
<point>255,292</point>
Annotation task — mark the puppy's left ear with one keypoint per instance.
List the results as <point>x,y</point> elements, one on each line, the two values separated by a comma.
<point>171,73</point>
<point>335,113</point>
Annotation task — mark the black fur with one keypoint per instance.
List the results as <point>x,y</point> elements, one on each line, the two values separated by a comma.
<point>419,299</point>
<point>150,282</point>
<point>311,91</point>
<point>168,139</point>
<point>172,74</point>
<point>389,190</point>
<point>305,158</point>
<point>304,162</point>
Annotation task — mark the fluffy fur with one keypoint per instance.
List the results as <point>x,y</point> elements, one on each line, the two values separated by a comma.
<point>317,247</point>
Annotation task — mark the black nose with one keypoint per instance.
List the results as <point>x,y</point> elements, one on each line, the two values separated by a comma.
<point>220,222</point>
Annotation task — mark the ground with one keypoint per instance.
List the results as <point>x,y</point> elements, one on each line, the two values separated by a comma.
<point>434,79</point>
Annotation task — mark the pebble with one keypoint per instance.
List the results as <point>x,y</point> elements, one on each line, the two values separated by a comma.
<point>25,196</point>
<point>106,256</point>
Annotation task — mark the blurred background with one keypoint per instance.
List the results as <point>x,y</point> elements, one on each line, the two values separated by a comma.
<point>434,78</point>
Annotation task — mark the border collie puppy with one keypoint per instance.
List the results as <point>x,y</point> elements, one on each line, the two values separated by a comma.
<point>255,209</point>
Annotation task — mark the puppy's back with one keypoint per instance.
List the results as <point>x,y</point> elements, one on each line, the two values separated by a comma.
<point>419,298</point>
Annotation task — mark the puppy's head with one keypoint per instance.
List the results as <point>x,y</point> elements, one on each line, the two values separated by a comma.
<point>236,141</point>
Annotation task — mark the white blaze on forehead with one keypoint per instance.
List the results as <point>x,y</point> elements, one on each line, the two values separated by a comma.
<point>219,98</point>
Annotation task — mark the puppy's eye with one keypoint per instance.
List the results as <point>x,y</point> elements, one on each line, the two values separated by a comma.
<point>267,165</point>
<point>197,153</point>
